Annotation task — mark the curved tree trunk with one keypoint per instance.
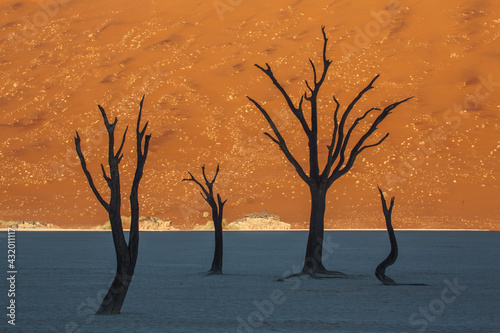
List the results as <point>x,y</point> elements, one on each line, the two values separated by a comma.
<point>393,255</point>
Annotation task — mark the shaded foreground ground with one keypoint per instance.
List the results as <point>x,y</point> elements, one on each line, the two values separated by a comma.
<point>195,67</point>
<point>60,275</point>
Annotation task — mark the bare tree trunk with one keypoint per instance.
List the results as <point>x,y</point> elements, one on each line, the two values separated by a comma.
<point>341,156</point>
<point>393,255</point>
<point>113,301</point>
<point>313,262</point>
<point>217,211</point>
<point>126,254</point>
<point>217,262</point>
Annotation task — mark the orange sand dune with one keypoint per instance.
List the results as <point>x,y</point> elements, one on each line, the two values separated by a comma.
<point>194,61</point>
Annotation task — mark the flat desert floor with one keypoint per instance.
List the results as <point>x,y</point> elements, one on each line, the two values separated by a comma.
<point>62,275</point>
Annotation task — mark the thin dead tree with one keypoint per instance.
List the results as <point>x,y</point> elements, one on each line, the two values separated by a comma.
<point>207,192</point>
<point>339,159</point>
<point>126,254</point>
<point>393,255</point>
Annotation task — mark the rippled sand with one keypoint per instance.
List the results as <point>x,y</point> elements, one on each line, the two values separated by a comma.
<point>195,64</point>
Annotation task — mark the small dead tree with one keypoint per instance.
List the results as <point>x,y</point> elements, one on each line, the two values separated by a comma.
<point>126,254</point>
<point>339,159</point>
<point>393,255</point>
<point>217,209</point>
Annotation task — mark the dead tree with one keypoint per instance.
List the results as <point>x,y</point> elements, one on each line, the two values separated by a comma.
<point>126,254</point>
<point>393,255</point>
<point>339,159</point>
<point>217,209</point>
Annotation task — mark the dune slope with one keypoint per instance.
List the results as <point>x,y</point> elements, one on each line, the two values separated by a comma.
<point>194,61</point>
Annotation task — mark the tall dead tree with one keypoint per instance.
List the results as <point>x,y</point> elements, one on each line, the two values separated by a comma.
<point>126,254</point>
<point>217,210</point>
<point>339,159</point>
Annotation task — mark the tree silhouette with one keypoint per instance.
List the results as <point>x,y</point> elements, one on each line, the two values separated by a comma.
<point>339,159</point>
<point>126,254</point>
<point>217,210</point>
<point>393,255</point>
